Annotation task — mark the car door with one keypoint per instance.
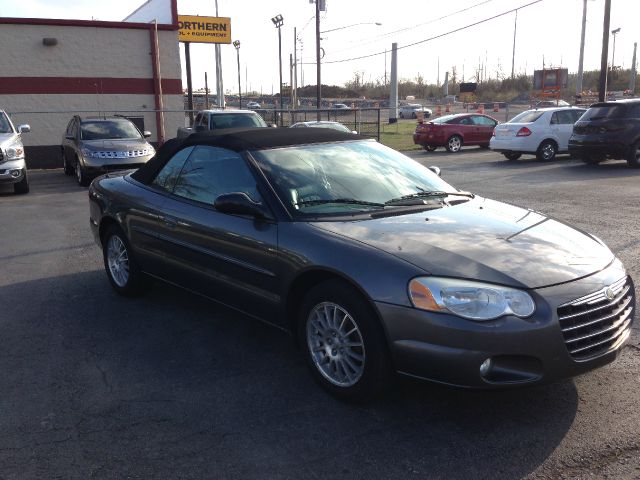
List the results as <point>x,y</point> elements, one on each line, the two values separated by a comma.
<point>230,258</point>
<point>467,129</point>
<point>484,128</point>
<point>561,127</point>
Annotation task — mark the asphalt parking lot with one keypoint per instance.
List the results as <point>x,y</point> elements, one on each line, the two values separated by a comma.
<point>170,385</point>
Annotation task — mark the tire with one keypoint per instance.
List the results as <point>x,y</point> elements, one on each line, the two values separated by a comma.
<point>123,271</point>
<point>81,175</point>
<point>401,115</point>
<point>343,342</point>
<point>633,158</point>
<point>547,151</point>
<point>429,148</point>
<point>454,144</point>
<point>68,169</point>
<point>413,115</point>
<point>22,186</point>
<point>512,155</point>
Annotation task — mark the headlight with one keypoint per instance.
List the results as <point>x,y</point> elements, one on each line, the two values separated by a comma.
<point>468,299</point>
<point>14,151</point>
<point>87,153</point>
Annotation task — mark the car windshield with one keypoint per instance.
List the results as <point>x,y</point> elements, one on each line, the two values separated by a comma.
<point>5,126</point>
<point>346,177</point>
<point>529,116</point>
<point>236,120</point>
<point>108,129</point>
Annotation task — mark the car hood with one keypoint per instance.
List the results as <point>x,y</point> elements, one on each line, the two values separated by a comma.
<point>115,144</point>
<point>484,240</point>
<point>6,138</point>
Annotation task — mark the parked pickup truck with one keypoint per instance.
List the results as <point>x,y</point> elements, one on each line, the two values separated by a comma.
<point>13,168</point>
<point>220,119</point>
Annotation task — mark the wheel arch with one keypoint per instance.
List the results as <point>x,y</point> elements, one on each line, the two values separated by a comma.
<point>308,279</point>
<point>105,223</point>
<point>549,139</point>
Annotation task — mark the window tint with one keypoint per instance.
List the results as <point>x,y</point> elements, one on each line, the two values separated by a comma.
<point>484,121</point>
<point>576,114</point>
<point>445,119</point>
<point>167,176</point>
<point>210,172</point>
<point>465,121</point>
<point>69,130</point>
<point>604,112</point>
<point>563,117</point>
<point>198,119</point>
<point>529,116</point>
<point>109,129</point>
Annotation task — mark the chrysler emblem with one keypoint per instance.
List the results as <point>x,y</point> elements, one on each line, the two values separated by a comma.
<point>609,293</point>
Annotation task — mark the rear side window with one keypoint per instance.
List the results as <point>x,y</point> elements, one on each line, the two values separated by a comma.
<point>605,112</point>
<point>529,116</point>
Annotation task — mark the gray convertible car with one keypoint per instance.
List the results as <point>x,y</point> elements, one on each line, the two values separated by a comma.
<point>373,262</point>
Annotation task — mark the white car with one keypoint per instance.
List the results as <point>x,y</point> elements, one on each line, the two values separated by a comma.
<point>253,105</point>
<point>541,132</point>
<point>411,111</point>
<point>13,168</point>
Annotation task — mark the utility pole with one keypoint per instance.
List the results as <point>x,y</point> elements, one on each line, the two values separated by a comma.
<point>318,80</point>
<point>605,51</point>
<point>393,96</point>
<point>632,80</point>
<point>581,62</point>
<point>219,86</point>
<point>513,55</point>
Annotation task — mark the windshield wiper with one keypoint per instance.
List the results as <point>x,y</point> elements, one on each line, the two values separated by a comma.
<point>351,201</point>
<point>419,195</point>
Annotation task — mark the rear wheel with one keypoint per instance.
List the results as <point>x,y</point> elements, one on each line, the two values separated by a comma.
<point>22,186</point>
<point>512,155</point>
<point>454,144</point>
<point>343,342</point>
<point>547,151</point>
<point>633,158</point>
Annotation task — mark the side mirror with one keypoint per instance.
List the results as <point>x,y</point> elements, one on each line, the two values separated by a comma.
<point>146,134</point>
<point>238,203</point>
<point>70,137</point>
<point>435,170</point>
<point>24,128</point>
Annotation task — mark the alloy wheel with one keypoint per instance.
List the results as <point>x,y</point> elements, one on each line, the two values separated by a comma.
<point>118,261</point>
<point>335,343</point>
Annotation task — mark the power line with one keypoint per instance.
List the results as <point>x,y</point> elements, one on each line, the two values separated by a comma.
<point>436,36</point>
<point>388,34</point>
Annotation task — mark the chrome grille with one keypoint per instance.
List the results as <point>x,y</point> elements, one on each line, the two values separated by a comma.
<point>599,322</point>
<point>121,154</point>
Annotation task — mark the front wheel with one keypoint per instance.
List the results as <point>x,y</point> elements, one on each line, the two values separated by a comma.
<point>454,144</point>
<point>546,151</point>
<point>81,175</point>
<point>22,186</point>
<point>123,271</point>
<point>68,169</point>
<point>511,155</point>
<point>343,342</point>
<point>633,158</point>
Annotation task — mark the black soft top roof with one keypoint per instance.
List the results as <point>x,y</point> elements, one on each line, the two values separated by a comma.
<point>240,140</point>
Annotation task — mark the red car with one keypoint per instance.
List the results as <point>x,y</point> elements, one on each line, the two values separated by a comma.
<point>454,131</point>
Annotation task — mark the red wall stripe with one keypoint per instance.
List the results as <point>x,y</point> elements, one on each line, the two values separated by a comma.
<point>86,85</point>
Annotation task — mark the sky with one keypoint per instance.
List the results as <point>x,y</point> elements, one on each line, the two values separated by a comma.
<point>547,31</point>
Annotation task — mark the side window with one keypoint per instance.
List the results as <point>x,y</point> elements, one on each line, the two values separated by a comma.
<point>577,114</point>
<point>70,127</point>
<point>211,171</point>
<point>554,119</point>
<point>167,176</point>
<point>565,117</point>
<point>465,121</point>
<point>483,121</point>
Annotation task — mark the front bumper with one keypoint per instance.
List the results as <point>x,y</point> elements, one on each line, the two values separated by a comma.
<point>13,171</point>
<point>448,349</point>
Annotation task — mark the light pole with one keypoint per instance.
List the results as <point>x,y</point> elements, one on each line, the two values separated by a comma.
<point>278,21</point>
<point>236,44</point>
<point>613,54</point>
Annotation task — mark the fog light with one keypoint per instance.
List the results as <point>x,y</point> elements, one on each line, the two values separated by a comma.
<point>485,368</point>
<point>15,173</point>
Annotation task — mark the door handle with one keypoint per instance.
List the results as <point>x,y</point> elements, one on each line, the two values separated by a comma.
<point>169,222</point>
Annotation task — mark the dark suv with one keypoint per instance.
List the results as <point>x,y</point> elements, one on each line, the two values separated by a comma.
<point>93,146</point>
<point>608,130</point>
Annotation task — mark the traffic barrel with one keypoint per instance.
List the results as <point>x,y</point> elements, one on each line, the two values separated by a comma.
<point>447,109</point>
<point>438,111</point>
<point>480,108</point>
<point>496,107</point>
